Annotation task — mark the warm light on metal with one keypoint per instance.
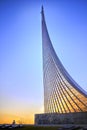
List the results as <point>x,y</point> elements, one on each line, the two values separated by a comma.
<point>61,93</point>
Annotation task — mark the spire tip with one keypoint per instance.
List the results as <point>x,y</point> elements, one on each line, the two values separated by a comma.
<point>42,9</point>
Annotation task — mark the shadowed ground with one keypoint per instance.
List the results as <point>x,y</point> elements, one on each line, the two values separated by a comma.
<point>32,127</point>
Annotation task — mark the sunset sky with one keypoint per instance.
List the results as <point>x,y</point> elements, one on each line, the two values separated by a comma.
<point>21,75</point>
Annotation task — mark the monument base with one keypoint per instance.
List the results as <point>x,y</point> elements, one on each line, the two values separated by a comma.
<point>63,118</point>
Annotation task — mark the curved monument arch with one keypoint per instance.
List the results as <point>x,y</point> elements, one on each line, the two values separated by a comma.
<point>64,99</point>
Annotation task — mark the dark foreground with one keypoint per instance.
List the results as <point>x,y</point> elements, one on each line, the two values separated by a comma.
<point>33,127</point>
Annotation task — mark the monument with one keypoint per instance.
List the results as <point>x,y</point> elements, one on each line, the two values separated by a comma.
<point>64,100</point>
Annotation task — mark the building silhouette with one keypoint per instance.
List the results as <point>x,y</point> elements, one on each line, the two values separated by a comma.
<point>62,95</point>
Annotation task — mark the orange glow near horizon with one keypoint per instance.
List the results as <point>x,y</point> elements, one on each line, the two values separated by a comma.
<point>7,119</point>
<point>22,118</point>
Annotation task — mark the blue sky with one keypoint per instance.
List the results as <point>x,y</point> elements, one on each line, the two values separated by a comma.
<point>21,85</point>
